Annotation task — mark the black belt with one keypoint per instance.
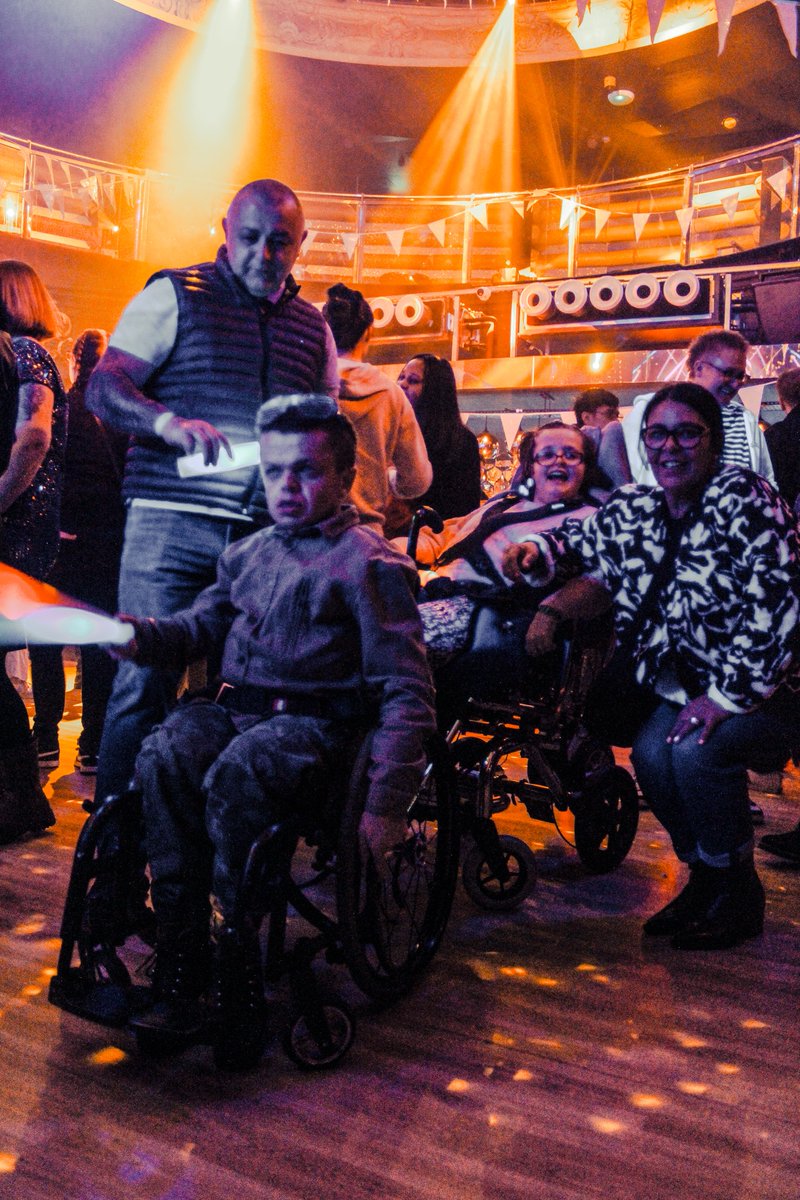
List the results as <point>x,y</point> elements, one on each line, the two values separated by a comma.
<point>262,701</point>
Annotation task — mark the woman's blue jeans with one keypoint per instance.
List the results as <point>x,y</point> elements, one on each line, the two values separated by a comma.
<point>699,792</point>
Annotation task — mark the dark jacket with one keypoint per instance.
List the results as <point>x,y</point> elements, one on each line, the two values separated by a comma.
<point>783,443</point>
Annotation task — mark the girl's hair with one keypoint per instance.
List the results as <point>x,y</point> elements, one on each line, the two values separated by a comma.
<point>436,410</point>
<point>348,315</point>
<point>89,348</point>
<point>26,306</point>
<point>699,400</point>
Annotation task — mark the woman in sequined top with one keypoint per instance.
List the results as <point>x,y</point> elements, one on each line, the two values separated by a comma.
<point>30,501</point>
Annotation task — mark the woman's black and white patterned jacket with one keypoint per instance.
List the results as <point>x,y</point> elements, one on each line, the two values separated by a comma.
<point>731,609</point>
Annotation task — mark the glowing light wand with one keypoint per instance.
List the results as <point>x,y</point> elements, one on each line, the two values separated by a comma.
<point>34,613</point>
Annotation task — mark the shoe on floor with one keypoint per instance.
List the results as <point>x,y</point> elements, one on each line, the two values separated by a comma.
<point>756,813</point>
<point>48,758</point>
<point>785,845</point>
<point>86,763</point>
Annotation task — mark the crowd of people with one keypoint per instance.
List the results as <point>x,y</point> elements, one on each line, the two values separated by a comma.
<point>283,580</point>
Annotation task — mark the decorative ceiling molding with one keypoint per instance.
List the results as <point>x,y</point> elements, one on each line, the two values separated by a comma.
<point>399,35</point>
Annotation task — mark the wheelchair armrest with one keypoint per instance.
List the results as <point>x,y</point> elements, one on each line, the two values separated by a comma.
<point>424,517</point>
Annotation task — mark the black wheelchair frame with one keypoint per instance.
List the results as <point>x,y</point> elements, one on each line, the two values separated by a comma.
<point>385,933</point>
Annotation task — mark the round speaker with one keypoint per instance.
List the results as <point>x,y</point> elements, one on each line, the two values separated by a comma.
<point>572,297</point>
<point>681,289</point>
<point>606,294</point>
<point>409,311</point>
<point>642,291</point>
<point>536,300</point>
<point>382,310</point>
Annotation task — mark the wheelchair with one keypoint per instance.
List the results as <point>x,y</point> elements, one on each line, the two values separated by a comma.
<point>384,933</point>
<point>523,742</point>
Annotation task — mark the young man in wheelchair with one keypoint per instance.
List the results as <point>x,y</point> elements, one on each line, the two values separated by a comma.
<point>318,632</point>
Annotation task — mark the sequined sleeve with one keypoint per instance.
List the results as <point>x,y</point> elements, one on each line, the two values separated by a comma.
<point>34,364</point>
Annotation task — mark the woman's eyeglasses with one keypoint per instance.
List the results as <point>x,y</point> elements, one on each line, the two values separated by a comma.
<point>655,437</point>
<point>549,455</point>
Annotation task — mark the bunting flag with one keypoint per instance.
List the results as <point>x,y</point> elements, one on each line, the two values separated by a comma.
<point>349,242</point>
<point>478,211</point>
<point>724,14</point>
<point>89,185</point>
<point>787,15</point>
<point>601,216</point>
<point>567,209</point>
<point>129,190</point>
<point>65,167</point>
<point>308,240</point>
<point>511,423</point>
<point>780,181</point>
<point>48,193</point>
<point>110,193</point>
<point>639,222</point>
<point>752,396</point>
<point>582,7</point>
<point>438,229</point>
<point>730,203</point>
<point>655,9</point>
<point>395,236</point>
<point>518,207</point>
<point>465,416</point>
<point>684,216</point>
<point>48,162</point>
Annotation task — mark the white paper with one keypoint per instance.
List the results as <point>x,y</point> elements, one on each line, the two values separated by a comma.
<point>245,454</point>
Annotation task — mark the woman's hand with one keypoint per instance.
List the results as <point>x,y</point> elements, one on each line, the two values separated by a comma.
<point>518,560</point>
<point>701,715</point>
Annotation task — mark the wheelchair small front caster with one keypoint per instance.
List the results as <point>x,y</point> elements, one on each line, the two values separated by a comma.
<point>487,889</point>
<point>327,1044</point>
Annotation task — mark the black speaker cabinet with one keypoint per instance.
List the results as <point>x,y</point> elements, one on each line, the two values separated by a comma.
<point>778,305</point>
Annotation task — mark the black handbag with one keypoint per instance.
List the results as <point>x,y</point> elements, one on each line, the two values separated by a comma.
<point>617,705</point>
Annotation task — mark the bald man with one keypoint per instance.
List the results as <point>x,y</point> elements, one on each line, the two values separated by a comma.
<point>193,357</point>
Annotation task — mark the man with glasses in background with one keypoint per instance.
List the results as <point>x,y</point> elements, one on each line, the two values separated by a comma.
<point>716,361</point>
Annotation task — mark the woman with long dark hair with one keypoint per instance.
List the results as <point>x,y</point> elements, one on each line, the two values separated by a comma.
<point>30,501</point>
<point>430,385</point>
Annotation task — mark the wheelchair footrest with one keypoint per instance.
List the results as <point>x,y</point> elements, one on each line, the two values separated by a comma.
<point>106,1003</point>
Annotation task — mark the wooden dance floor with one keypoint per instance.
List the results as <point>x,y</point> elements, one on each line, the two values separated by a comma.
<point>546,1054</point>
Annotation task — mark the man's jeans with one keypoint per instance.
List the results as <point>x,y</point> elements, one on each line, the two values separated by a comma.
<point>167,560</point>
<point>699,793</point>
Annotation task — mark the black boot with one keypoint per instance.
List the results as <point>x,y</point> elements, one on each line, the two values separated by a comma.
<point>23,805</point>
<point>237,1000</point>
<point>183,967</point>
<point>684,907</point>
<point>733,913</point>
<point>785,845</point>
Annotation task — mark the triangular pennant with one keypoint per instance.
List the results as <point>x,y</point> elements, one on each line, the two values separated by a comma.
<point>752,396</point>
<point>511,423</point>
<point>730,203</point>
<point>308,241</point>
<point>567,209</point>
<point>639,222</point>
<point>780,181</point>
<point>478,211</point>
<point>438,229</point>
<point>60,202</point>
<point>90,186</point>
<point>684,216</point>
<point>349,242</point>
<point>582,7</point>
<point>110,193</point>
<point>48,192</point>
<point>655,9</point>
<point>65,167</point>
<point>395,236</point>
<point>601,216</point>
<point>787,15</point>
<point>48,162</point>
<point>465,418</point>
<point>128,188</point>
<point>518,207</point>
<point>724,14</point>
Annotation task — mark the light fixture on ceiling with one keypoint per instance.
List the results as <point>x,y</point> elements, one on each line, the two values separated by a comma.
<point>730,122</point>
<point>617,96</point>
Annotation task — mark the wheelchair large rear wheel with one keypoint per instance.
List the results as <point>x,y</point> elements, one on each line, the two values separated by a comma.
<point>390,932</point>
<point>606,821</point>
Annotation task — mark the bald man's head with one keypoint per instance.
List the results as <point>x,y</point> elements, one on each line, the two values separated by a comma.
<point>264,230</point>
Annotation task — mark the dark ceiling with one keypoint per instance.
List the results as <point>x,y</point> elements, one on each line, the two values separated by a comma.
<point>88,76</point>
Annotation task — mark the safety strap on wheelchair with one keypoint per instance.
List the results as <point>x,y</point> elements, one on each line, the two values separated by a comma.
<point>471,547</point>
<point>250,699</point>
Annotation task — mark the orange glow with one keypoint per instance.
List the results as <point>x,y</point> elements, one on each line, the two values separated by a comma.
<point>207,125</point>
<point>472,145</point>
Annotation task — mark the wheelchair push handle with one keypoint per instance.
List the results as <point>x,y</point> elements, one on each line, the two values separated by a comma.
<point>424,517</point>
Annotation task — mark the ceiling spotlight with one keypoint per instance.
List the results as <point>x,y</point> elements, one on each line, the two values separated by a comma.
<point>729,122</point>
<point>617,96</point>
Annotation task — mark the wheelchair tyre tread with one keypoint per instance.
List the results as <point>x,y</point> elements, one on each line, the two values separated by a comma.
<point>482,884</point>
<point>385,951</point>
<point>307,1052</point>
<point>607,823</point>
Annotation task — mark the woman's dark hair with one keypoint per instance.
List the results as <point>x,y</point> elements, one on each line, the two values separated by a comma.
<point>89,348</point>
<point>26,307</point>
<point>527,449</point>
<point>348,315</point>
<point>436,410</point>
<point>700,401</point>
